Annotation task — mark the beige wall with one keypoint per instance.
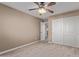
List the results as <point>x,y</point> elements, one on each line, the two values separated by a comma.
<point>17,28</point>
<point>67,14</point>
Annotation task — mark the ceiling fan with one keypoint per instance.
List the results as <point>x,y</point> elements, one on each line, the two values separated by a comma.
<point>43,8</point>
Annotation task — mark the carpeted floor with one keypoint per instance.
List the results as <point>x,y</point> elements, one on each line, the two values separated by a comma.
<point>44,49</point>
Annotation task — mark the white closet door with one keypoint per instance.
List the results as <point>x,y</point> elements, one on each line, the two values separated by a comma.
<point>57,31</point>
<point>77,30</point>
<point>69,31</point>
<point>66,31</point>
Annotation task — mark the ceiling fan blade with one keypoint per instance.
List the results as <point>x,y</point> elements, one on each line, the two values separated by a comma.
<point>37,3</point>
<point>50,11</point>
<point>51,3</point>
<point>33,9</point>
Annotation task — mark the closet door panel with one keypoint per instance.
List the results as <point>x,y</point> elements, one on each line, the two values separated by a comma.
<point>77,31</point>
<point>57,31</point>
<point>68,29</point>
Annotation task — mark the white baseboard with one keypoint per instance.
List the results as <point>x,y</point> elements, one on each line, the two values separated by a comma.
<point>6,51</point>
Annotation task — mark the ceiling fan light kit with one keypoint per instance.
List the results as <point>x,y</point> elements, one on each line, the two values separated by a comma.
<point>43,8</point>
<point>42,11</point>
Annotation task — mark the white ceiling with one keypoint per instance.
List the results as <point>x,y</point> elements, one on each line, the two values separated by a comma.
<point>60,7</point>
